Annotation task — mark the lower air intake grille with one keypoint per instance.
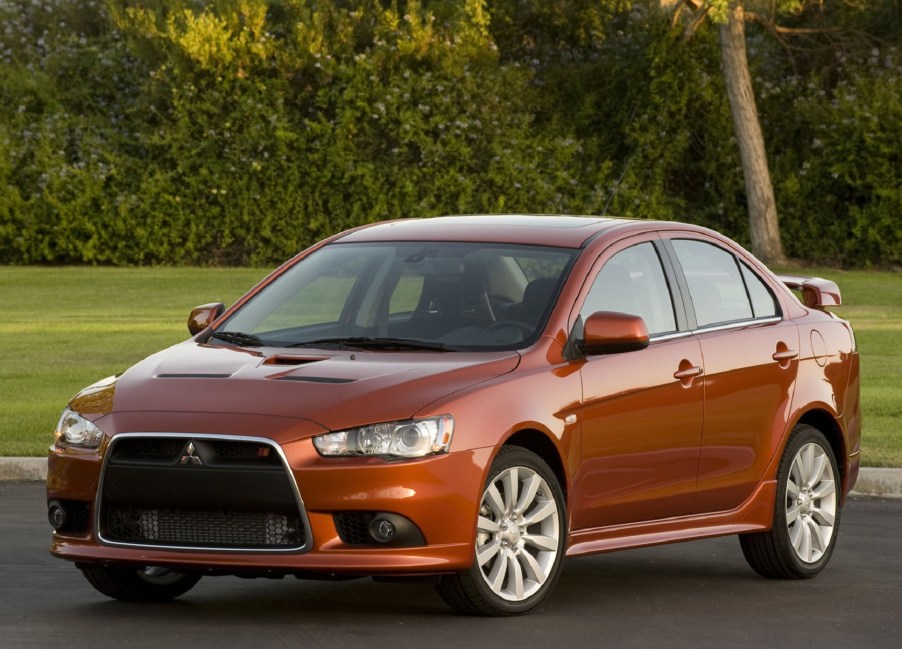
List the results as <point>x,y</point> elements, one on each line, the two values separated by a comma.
<point>198,528</point>
<point>353,527</point>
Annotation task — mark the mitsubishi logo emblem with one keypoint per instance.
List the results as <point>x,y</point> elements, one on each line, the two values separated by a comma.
<point>190,456</point>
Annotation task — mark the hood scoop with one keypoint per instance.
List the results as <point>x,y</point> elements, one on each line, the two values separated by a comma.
<point>313,379</point>
<point>283,360</point>
<point>290,362</point>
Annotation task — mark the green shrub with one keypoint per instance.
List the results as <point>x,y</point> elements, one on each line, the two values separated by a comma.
<point>840,188</point>
<point>238,132</point>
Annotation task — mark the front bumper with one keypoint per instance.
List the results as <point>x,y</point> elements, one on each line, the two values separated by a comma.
<point>438,494</point>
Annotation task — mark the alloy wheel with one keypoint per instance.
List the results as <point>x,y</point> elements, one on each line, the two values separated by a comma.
<point>518,534</point>
<point>811,503</point>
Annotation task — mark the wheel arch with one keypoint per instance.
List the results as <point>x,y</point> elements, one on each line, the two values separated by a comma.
<point>540,444</point>
<point>826,423</point>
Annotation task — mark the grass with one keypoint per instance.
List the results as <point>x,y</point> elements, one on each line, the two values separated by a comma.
<point>873,304</point>
<point>63,328</point>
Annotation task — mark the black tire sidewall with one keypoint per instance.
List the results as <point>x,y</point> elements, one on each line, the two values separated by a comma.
<point>126,584</point>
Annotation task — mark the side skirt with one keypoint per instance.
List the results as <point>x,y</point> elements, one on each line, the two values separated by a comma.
<point>755,515</point>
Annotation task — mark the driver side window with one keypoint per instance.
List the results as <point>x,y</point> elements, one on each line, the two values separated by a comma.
<point>633,281</point>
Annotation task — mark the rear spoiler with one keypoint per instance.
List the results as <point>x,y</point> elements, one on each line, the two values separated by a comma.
<point>817,293</point>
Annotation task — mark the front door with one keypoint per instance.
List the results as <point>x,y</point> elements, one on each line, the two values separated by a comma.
<point>642,410</point>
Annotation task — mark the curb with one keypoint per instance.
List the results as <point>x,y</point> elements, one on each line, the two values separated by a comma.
<point>885,483</point>
<point>23,468</point>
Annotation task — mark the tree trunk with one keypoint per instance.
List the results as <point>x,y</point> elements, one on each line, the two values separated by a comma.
<point>763,226</point>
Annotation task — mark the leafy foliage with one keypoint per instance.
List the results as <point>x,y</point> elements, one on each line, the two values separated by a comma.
<point>238,132</point>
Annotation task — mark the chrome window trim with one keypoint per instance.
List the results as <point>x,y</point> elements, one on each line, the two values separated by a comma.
<point>741,324</point>
<point>724,327</point>
<point>669,336</point>
<point>308,544</point>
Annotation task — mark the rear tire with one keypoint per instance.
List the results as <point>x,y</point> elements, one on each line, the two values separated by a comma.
<point>147,584</point>
<point>806,512</point>
<point>520,540</point>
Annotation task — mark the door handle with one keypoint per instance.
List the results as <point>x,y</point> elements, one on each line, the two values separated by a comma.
<point>688,373</point>
<point>784,356</point>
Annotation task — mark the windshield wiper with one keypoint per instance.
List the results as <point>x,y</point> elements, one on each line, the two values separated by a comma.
<point>366,342</point>
<point>238,338</point>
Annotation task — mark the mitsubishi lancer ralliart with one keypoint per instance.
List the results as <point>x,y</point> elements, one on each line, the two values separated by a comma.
<point>470,399</point>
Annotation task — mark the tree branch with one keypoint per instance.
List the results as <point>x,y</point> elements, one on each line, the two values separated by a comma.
<point>776,29</point>
<point>697,19</point>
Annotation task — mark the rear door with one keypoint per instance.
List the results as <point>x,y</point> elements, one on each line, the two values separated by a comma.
<point>751,360</point>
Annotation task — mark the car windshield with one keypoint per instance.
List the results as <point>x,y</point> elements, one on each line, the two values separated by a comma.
<point>405,296</point>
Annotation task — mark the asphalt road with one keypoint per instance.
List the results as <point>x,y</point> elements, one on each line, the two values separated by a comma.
<point>695,595</point>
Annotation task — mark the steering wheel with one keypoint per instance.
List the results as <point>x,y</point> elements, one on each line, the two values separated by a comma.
<point>525,328</point>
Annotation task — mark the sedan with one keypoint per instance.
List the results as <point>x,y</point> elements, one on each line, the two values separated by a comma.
<point>470,400</point>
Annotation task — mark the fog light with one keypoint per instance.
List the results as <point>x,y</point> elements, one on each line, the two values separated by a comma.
<point>382,530</point>
<point>57,516</point>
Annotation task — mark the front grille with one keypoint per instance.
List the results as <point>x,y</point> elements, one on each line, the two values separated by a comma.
<point>200,493</point>
<point>212,452</point>
<point>157,447</point>
<point>246,452</point>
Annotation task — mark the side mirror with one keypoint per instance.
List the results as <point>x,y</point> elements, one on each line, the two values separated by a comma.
<point>607,332</point>
<point>203,316</point>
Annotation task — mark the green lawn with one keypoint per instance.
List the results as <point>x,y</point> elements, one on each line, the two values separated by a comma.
<point>872,302</point>
<point>63,328</point>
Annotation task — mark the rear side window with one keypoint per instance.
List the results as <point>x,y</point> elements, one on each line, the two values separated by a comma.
<point>722,288</point>
<point>764,304</point>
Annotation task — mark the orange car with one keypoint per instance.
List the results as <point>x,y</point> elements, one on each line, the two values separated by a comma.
<point>470,399</point>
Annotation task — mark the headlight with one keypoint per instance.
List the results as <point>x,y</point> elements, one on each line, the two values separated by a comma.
<point>75,430</point>
<point>395,439</point>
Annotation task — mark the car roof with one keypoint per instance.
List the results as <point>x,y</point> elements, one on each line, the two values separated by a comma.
<point>559,231</point>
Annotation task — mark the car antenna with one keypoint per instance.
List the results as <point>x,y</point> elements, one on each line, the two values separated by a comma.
<point>617,186</point>
<point>625,167</point>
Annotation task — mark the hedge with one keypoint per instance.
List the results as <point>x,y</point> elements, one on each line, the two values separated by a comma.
<point>238,132</point>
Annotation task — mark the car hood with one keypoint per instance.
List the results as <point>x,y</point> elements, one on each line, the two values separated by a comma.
<point>334,390</point>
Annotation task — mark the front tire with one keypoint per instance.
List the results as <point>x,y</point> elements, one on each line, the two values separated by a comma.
<point>520,537</point>
<point>147,584</point>
<point>806,513</point>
